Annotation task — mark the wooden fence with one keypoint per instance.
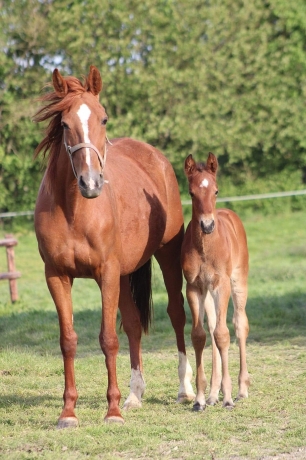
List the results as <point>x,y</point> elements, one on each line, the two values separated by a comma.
<point>11,275</point>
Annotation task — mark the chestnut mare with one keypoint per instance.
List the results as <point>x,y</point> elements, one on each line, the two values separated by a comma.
<point>103,209</point>
<point>215,265</point>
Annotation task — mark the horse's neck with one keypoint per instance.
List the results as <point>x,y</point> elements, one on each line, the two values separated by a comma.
<point>65,189</point>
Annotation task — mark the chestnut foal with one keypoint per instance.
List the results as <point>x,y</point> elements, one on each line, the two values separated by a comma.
<point>215,265</point>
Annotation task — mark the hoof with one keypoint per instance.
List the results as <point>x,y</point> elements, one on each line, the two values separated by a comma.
<point>129,405</point>
<point>240,398</point>
<point>67,422</point>
<point>229,406</point>
<point>184,398</point>
<point>132,402</point>
<point>212,402</point>
<point>114,419</point>
<point>197,407</point>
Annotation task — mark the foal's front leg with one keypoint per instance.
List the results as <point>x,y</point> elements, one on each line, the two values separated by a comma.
<point>198,336</point>
<point>60,289</point>
<point>110,286</point>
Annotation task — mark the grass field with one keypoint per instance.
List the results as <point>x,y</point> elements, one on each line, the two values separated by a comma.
<point>272,421</point>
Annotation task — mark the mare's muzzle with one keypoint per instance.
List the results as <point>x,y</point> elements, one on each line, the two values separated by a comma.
<point>90,182</point>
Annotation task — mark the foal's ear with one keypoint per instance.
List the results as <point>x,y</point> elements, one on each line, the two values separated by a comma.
<point>94,81</point>
<point>59,83</point>
<point>212,163</point>
<point>190,165</point>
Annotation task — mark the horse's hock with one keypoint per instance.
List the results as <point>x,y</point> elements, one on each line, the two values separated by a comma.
<point>11,275</point>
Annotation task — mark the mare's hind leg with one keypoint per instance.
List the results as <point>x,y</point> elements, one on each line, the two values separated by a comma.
<point>198,337</point>
<point>168,257</point>
<point>132,327</point>
<point>60,290</point>
<point>241,325</point>
<point>216,375</point>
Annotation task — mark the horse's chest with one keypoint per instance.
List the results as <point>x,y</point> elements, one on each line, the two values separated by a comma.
<point>206,275</point>
<point>74,257</point>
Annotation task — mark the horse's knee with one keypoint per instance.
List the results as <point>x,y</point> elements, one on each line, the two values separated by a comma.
<point>198,337</point>
<point>222,337</point>
<point>68,344</point>
<point>109,344</point>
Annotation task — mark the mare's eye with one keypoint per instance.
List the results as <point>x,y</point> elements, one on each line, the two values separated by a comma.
<point>191,194</point>
<point>64,125</point>
<point>104,121</point>
<point>216,192</point>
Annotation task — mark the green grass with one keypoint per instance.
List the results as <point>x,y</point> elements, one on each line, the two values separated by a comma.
<point>272,420</point>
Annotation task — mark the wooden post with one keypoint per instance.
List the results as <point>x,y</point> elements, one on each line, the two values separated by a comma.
<point>11,275</point>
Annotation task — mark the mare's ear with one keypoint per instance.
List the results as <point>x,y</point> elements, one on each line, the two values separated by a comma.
<point>190,165</point>
<point>94,81</point>
<point>212,163</point>
<point>59,83</point>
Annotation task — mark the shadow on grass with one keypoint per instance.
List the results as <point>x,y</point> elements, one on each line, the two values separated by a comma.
<point>271,320</point>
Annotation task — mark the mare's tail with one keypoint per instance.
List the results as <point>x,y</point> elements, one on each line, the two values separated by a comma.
<point>140,282</point>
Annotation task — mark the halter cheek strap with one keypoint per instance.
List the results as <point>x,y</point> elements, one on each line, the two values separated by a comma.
<point>71,150</point>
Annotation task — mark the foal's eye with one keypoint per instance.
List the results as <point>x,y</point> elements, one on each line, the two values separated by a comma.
<point>64,125</point>
<point>104,121</point>
<point>216,192</point>
<point>191,194</point>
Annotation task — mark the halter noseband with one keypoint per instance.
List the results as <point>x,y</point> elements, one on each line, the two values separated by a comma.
<point>71,150</point>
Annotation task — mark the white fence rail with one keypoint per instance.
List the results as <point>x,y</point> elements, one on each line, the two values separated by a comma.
<point>226,199</point>
<point>262,196</point>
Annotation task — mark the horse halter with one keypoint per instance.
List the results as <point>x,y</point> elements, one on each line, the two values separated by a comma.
<point>71,150</point>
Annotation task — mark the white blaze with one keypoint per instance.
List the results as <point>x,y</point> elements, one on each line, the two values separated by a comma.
<point>204,183</point>
<point>84,114</point>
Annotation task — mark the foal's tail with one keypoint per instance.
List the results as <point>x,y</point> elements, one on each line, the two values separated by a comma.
<point>140,282</point>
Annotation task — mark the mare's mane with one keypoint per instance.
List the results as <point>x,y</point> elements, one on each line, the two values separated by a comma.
<point>55,104</point>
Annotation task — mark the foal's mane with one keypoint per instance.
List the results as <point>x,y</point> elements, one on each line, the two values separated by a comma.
<point>201,167</point>
<point>54,105</point>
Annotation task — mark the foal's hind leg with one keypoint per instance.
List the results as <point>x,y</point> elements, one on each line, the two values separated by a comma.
<point>241,325</point>
<point>168,257</point>
<point>221,297</point>
<point>132,327</point>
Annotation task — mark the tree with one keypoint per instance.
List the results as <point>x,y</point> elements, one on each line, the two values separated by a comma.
<point>187,76</point>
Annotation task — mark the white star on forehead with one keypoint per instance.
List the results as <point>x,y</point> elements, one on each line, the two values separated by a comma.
<point>204,183</point>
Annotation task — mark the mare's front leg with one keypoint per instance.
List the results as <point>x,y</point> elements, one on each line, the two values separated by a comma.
<point>60,289</point>
<point>132,327</point>
<point>168,257</point>
<point>198,336</point>
<point>221,295</point>
<point>110,287</point>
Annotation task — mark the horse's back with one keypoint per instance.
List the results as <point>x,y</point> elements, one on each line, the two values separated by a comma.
<point>235,234</point>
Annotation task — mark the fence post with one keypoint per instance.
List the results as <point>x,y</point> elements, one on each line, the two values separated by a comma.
<point>11,275</point>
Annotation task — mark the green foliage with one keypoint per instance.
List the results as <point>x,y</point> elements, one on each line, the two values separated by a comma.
<point>187,76</point>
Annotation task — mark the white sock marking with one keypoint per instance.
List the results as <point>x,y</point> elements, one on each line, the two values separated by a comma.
<point>137,387</point>
<point>185,376</point>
